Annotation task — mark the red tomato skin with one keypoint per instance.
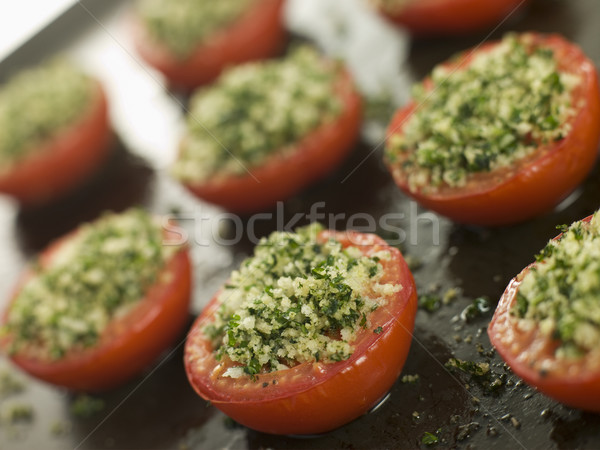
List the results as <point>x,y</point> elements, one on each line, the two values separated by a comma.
<point>282,176</point>
<point>63,162</point>
<point>575,383</point>
<point>321,396</point>
<point>453,17</point>
<point>258,34</point>
<point>535,184</point>
<point>128,345</point>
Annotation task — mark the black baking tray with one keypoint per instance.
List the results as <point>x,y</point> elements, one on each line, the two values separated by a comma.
<point>159,410</point>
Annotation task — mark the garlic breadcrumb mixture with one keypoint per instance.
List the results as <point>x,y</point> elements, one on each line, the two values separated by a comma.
<point>254,111</point>
<point>295,300</point>
<point>182,25</point>
<point>36,104</point>
<point>560,293</point>
<point>96,276</point>
<point>506,103</point>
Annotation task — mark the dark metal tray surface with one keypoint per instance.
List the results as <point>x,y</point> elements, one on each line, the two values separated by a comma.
<point>159,409</point>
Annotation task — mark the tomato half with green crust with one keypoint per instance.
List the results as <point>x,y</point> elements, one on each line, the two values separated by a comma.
<point>284,174</point>
<point>314,397</point>
<point>129,343</point>
<point>533,184</point>
<point>448,17</point>
<point>533,354</point>
<point>258,34</point>
<point>63,162</point>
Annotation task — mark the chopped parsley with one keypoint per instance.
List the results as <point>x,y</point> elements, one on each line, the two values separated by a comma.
<point>13,413</point>
<point>255,110</point>
<point>182,25</point>
<point>430,302</point>
<point>479,372</point>
<point>470,367</point>
<point>295,300</point>
<point>560,293</point>
<point>85,406</point>
<point>478,307</point>
<point>501,108</point>
<point>94,277</point>
<point>9,384</point>
<point>37,103</point>
<point>429,438</point>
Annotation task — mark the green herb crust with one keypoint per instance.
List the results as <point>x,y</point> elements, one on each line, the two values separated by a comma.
<point>98,274</point>
<point>560,293</point>
<point>182,25</point>
<point>256,110</point>
<point>508,101</point>
<point>36,104</point>
<point>296,300</point>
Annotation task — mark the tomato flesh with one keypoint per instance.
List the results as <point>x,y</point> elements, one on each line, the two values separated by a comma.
<point>534,184</point>
<point>63,162</point>
<point>315,397</point>
<point>531,355</point>
<point>283,175</point>
<point>258,34</point>
<point>448,17</point>
<point>129,344</point>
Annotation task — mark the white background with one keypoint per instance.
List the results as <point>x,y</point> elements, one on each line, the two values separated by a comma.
<point>20,19</point>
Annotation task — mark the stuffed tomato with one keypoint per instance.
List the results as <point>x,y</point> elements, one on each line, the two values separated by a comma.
<point>192,41</point>
<point>264,131</point>
<point>500,134</point>
<point>310,332</point>
<point>448,17</point>
<point>547,323</point>
<point>99,305</point>
<point>54,132</point>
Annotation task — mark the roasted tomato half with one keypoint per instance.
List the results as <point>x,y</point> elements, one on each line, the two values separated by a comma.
<point>487,158</point>
<point>447,17</point>
<point>272,129</point>
<point>257,34</point>
<point>546,325</point>
<point>329,387</point>
<point>61,345</point>
<point>62,162</point>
